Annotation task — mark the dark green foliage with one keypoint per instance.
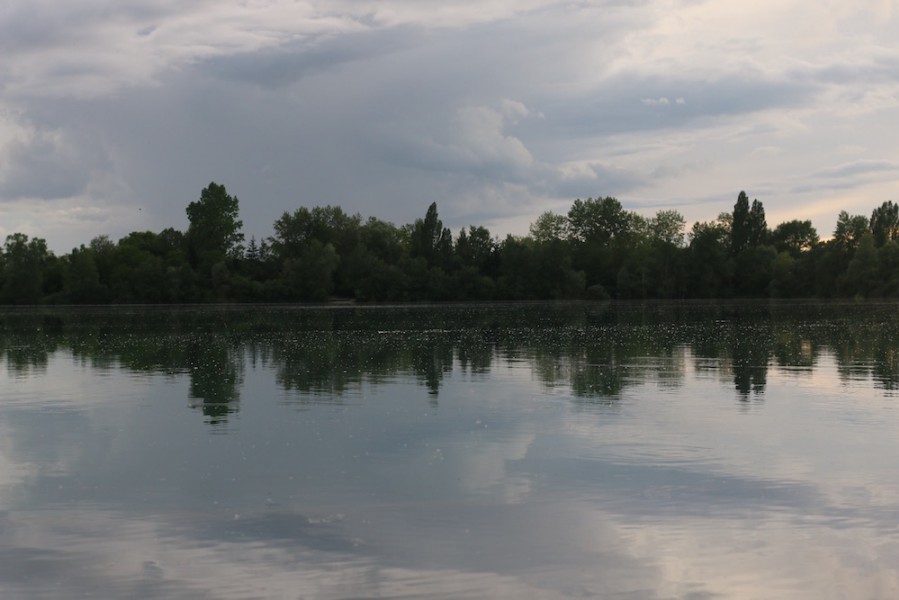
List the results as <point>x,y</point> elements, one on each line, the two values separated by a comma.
<point>306,232</point>
<point>599,220</point>
<point>739,231</point>
<point>377,280</point>
<point>668,227</point>
<point>82,280</point>
<point>549,227</point>
<point>54,272</point>
<point>783,277</point>
<point>666,272</point>
<point>862,275</point>
<point>794,237</point>
<point>477,250</point>
<point>24,262</point>
<point>310,278</point>
<point>430,240</point>
<point>327,225</point>
<point>384,241</point>
<point>885,223</point>
<point>597,251</point>
<point>214,231</point>
<point>710,267</point>
<point>531,271</point>
<point>752,271</point>
<point>748,225</point>
<point>758,227</point>
<point>888,263</point>
<point>850,229</point>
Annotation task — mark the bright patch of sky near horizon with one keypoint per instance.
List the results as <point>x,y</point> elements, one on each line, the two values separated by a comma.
<point>113,117</point>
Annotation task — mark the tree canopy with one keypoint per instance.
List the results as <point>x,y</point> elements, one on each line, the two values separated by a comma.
<point>214,231</point>
<point>597,250</point>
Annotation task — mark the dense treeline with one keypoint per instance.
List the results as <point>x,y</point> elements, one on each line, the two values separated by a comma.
<point>597,250</point>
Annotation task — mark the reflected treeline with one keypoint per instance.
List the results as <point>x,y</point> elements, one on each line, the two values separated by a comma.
<point>595,350</point>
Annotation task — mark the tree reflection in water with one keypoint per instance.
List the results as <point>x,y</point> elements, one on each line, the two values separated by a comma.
<point>216,372</point>
<point>595,350</point>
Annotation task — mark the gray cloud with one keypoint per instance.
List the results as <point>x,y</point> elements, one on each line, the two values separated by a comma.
<point>286,64</point>
<point>860,167</point>
<point>48,165</point>
<point>385,107</point>
<point>849,175</point>
<point>629,103</point>
<point>868,69</point>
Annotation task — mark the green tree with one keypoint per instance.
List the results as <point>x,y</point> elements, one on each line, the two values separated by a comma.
<point>372,269</point>
<point>476,248</point>
<point>327,224</point>
<point>710,268</point>
<point>384,240</point>
<point>888,260</point>
<point>599,220</point>
<point>783,278</point>
<point>740,227</point>
<point>252,272</point>
<point>103,250</point>
<point>251,254</point>
<point>214,231</point>
<point>549,227</point>
<point>375,279</point>
<point>23,267</point>
<point>668,226</point>
<point>850,229</point>
<point>430,240</point>
<point>310,278</point>
<point>138,275</point>
<point>531,271</point>
<point>794,237</point>
<point>82,278</point>
<point>758,227</point>
<point>297,232</point>
<point>827,262</point>
<point>862,274</point>
<point>752,271</point>
<point>54,272</point>
<point>663,257</point>
<point>885,223</point>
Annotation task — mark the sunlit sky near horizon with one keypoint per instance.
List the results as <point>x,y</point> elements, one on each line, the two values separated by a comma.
<point>114,115</point>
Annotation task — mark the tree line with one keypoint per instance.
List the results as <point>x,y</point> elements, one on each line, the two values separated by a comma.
<point>598,250</point>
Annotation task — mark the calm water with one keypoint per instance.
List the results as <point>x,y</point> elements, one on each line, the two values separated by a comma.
<point>537,451</point>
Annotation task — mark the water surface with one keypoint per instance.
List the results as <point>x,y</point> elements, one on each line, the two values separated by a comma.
<point>525,451</point>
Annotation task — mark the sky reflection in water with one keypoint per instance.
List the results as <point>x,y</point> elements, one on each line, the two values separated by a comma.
<point>654,451</point>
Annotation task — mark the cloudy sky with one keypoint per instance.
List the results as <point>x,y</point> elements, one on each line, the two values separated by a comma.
<point>114,115</point>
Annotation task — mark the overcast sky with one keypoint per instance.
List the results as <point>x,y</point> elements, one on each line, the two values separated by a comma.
<point>114,115</point>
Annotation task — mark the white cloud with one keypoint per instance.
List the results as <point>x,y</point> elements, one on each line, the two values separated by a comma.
<point>479,133</point>
<point>659,506</point>
<point>147,101</point>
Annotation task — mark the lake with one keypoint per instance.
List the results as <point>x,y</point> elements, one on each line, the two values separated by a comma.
<point>639,451</point>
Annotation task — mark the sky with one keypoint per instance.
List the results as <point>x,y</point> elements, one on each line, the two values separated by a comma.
<point>115,115</point>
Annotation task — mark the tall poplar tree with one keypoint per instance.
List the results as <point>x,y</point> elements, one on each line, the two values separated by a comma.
<point>429,239</point>
<point>885,223</point>
<point>214,231</point>
<point>739,229</point>
<point>758,227</point>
